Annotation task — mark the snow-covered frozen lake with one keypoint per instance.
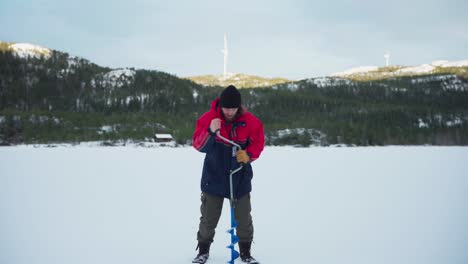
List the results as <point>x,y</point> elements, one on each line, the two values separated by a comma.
<point>121,205</point>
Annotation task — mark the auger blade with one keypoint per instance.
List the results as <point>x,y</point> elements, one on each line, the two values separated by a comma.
<point>234,238</point>
<point>234,256</point>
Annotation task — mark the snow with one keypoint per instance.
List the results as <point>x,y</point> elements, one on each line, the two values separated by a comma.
<point>455,83</point>
<point>457,121</point>
<point>356,70</point>
<point>114,74</point>
<point>148,143</point>
<point>73,61</point>
<point>439,63</point>
<point>292,86</point>
<point>119,77</point>
<point>25,50</point>
<point>461,63</point>
<point>327,81</point>
<point>449,81</point>
<point>222,77</point>
<point>425,68</point>
<point>89,205</point>
<point>140,98</point>
<point>445,77</point>
<point>44,119</point>
<point>420,69</point>
<point>422,124</point>
<point>320,82</point>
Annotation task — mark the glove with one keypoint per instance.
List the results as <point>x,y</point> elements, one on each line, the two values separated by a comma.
<point>242,156</point>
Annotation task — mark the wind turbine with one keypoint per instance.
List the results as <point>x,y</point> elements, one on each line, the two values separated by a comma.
<point>387,58</point>
<point>225,52</point>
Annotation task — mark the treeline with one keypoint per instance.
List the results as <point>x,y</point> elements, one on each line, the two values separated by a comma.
<point>68,99</point>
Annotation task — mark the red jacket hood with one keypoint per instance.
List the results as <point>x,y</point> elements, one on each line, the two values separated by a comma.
<point>214,104</point>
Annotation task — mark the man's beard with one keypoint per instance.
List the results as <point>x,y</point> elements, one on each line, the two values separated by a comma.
<point>229,120</point>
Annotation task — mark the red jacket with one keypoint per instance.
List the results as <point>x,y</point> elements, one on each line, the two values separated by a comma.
<point>247,131</point>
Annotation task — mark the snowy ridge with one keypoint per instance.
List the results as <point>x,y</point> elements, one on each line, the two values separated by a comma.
<point>229,75</point>
<point>240,80</point>
<point>461,63</point>
<point>394,71</point>
<point>25,50</point>
<point>425,68</point>
<point>429,68</point>
<point>321,82</point>
<point>356,70</point>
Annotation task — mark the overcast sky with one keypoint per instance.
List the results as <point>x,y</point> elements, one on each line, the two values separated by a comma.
<point>292,39</point>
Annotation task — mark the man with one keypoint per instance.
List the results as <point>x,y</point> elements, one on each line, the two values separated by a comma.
<point>235,123</point>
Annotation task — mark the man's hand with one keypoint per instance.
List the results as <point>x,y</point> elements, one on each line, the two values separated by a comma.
<point>215,125</point>
<point>242,156</point>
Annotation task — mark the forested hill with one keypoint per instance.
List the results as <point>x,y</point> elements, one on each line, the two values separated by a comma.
<point>51,96</point>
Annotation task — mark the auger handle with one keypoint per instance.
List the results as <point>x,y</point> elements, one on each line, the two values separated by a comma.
<point>234,171</point>
<point>227,140</point>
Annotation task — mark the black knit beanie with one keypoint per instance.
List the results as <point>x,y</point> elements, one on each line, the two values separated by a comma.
<point>230,97</point>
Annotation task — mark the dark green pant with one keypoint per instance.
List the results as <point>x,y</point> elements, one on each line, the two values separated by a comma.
<point>211,207</point>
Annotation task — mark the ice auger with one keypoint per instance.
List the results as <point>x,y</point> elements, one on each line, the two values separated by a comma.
<point>234,238</point>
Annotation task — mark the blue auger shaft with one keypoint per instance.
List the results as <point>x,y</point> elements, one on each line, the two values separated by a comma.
<point>234,238</point>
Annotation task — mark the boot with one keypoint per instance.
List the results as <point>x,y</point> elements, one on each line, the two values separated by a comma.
<point>245,253</point>
<point>203,253</point>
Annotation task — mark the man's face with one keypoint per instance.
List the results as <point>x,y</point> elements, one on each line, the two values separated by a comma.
<point>229,113</point>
